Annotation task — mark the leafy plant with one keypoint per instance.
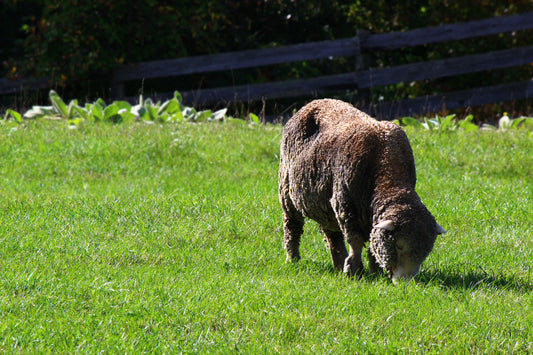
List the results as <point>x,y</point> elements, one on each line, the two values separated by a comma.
<point>505,123</point>
<point>450,123</point>
<point>14,114</point>
<point>122,111</point>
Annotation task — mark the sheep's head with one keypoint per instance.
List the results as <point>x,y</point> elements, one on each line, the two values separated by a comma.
<point>401,245</point>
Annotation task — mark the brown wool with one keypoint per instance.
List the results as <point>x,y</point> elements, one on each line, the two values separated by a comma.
<point>356,177</point>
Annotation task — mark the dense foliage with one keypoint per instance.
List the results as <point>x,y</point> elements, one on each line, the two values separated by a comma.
<point>78,42</point>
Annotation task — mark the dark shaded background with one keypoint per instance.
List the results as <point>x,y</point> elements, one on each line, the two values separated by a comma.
<point>77,43</point>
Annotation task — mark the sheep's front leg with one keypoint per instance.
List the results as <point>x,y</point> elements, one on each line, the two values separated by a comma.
<point>335,241</point>
<point>353,265</point>
<point>373,266</point>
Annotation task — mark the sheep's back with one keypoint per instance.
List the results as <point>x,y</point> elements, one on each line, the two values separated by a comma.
<point>329,146</point>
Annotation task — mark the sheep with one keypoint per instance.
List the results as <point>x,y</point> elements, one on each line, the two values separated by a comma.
<point>356,177</point>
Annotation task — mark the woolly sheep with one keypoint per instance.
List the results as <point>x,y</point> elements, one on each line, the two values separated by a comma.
<point>356,177</point>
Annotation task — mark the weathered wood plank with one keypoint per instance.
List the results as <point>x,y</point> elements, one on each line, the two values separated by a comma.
<point>431,104</point>
<point>446,67</point>
<point>321,49</point>
<point>283,89</point>
<point>451,32</point>
<point>239,60</point>
<point>14,86</point>
<point>452,100</point>
<point>365,79</point>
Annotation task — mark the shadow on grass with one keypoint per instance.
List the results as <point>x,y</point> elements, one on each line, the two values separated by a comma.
<point>468,280</point>
<point>472,280</point>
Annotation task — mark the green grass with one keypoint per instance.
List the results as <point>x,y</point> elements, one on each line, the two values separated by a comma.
<point>153,238</point>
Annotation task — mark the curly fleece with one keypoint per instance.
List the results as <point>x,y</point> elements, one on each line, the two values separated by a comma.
<point>348,172</point>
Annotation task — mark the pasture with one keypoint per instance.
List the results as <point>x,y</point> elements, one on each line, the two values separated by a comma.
<point>167,238</point>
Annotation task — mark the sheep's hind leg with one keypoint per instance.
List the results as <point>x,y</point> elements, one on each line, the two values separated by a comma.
<point>335,241</point>
<point>293,223</point>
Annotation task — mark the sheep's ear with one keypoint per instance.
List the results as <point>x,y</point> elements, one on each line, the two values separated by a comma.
<point>440,230</point>
<point>387,225</point>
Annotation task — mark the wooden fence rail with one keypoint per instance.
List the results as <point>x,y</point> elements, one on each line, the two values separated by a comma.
<point>368,78</point>
<point>322,49</point>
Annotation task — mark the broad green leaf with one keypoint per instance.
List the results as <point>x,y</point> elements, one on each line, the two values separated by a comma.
<point>127,117</point>
<point>96,114</point>
<point>75,121</point>
<point>164,117</point>
<point>468,118</point>
<point>58,104</point>
<point>100,103</point>
<point>123,105</point>
<point>82,112</point>
<point>447,123</point>
<point>179,99</point>
<point>517,122</point>
<point>148,102</point>
<point>151,111</point>
<point>111,114</point>
<point>71,111</point>
<point>254,118</point>
<point>177,116</point>
<point>409,121</point>
<point>203,116</point>
<point>468,126</point>
<point>163,108</point>
<point>171,107</point>
<point>526,123</point>
<point>12,113</point>
<point>452,116</point>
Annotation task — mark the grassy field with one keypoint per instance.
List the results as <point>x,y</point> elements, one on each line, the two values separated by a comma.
<point>135,238</point>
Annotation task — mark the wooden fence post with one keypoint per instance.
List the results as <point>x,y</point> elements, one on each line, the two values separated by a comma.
<point>361,65</point>
<point>361,59</point>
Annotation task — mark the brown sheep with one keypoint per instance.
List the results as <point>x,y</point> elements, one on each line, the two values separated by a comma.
<point>356,177</point>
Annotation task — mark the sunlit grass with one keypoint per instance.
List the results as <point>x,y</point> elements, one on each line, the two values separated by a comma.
<point>167,238</point>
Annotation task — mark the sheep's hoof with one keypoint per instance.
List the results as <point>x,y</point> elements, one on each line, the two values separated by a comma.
<point>353,269</point>
<point>292,259</point>
<point>374,270</point>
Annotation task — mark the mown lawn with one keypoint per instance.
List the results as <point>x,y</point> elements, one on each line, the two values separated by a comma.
<point>134,238</point>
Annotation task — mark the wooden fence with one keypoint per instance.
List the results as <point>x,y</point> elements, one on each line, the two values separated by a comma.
<point>362,78</point>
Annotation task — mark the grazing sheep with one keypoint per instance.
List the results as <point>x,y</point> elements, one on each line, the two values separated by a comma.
<point>356,177</point>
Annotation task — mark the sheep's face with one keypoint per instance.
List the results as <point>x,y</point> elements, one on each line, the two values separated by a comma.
<point>401,249</point>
